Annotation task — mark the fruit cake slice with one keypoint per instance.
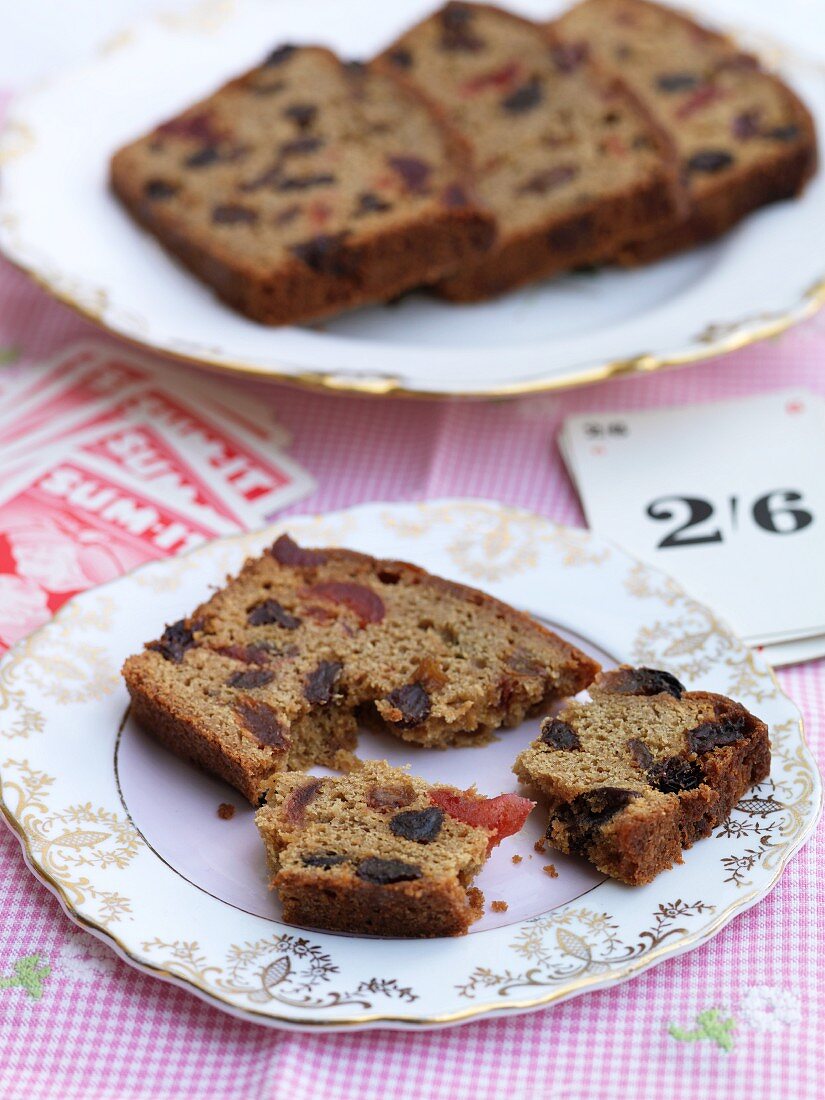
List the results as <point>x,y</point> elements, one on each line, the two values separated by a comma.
<point>382,852</point>
<point>743,137</point>
<point>565,158</point>
<point>304,187</point>
<point>274,671</point>
<point>643,770</point>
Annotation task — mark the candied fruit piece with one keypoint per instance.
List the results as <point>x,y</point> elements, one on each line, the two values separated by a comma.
<point>262,722</point>
<point>501,816</point>
<point>390,797</point>
<point>295,806</point>
<point>287,552</point>
<point>361,600</point>
<point>642,756</point>
<point>251,678</point>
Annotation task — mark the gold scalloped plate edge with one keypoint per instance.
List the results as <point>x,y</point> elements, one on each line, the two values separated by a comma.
<point>492,1008</point>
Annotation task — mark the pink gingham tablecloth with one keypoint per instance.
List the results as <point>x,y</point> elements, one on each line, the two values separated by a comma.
<point>89,1026</point>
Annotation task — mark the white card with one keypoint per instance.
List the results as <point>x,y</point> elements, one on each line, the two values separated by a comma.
<point>728,498</point>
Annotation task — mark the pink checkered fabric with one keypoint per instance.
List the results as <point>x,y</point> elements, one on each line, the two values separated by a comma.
<point>102,1030</point>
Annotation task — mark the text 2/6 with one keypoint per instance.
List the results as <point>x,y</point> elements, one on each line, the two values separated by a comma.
<point>779,512</point>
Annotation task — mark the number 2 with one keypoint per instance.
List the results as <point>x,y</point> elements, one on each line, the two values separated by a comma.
<point>698,511</point>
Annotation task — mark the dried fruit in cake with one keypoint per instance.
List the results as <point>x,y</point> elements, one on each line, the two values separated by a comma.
<point>743,137</point>
<point>379,851</point>
<point>565,157</point>
<point>275,670</point>
<point>304,187</point>
<point>646,773</point>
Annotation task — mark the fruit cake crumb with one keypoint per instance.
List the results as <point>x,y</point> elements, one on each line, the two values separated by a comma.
<point>539,845</point>
<point>550,869</point>
<point>499,906</point>
<point>517,859</point>
<point>226,811</point>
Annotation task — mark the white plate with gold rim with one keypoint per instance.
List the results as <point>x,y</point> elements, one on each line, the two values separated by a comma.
<point>59,223</point>
<point>128,837</point>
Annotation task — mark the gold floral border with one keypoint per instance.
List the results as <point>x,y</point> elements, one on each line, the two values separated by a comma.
<point>114,842</point>
<point>93,303</point>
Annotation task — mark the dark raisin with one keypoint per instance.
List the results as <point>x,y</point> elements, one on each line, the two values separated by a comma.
<point>262,722</point>
<point>157,189</point>
<point>677,82</point>
<point>319,686</point>
<point>370,203</point>
<point>233,214</point>
<point>525,98</point>
<point>324,860</point>
<point>568,57</point>
<point>286,551</point>
<point>422,826</point>
<point>549,180</point>
<point>455,197</point>
<point>401,58</point>
<point>714,735</point>
<point>392,797</point>
<point>455,16</point>
<point>675,774</point>
<point>356,68</point>
<point>280,55</point>
<point>251,678</point>
<point>783,133</point>
<point>384,872</point>
<point>300,146</point>
<point>709,161</point>
<point>210,154</point>
<point>270,611</point>
<point>642,681</point>
<point>249,654</point>
<point>413,703</point>
<point>642,756</point>
<point>559,735</point>
<point>414,171</point>
<point>199,127</point>
<point>287,215</point>
<point>457,34</point>
<point>746,125</point>
<point>326,254</point>
<point>174,642</point>
<point>302,114</point>
<point>304,183</point>
<point>295,806</point>
<point>361,600</point>
<point>587,813</point>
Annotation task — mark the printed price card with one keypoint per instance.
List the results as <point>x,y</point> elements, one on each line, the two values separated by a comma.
<point>729,498</point>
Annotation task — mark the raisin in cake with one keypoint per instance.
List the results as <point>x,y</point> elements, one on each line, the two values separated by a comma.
<point>565,157</point>
<point>380,851</point>
<point>305,187</point>
<point>275,670</point>
<point>743,137</point>
<point>643,770</point>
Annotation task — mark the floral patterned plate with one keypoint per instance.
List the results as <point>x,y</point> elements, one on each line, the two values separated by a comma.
<point>129,838</point>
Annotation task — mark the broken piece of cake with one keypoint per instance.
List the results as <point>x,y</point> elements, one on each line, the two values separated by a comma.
<point>381,852</point>
<point>275,670</point>
<point>643,770</point>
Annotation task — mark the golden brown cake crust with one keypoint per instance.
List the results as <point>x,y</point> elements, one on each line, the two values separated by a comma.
<point>535,124</point>
<point>743,136</point>
<point>294,193</point>
<point>276,669</point>
<point>643,770</point>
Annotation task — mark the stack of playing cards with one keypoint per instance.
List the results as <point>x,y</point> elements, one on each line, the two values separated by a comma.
<point>728,498</point>
<point>108,460</point>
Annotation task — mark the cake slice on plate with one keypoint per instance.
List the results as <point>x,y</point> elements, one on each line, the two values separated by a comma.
<point>381,852</point>
<point>276,669</point>
<point>643,770</point>
<point>563,155</point>
<point>743,137</point>
<point>305,187</point>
